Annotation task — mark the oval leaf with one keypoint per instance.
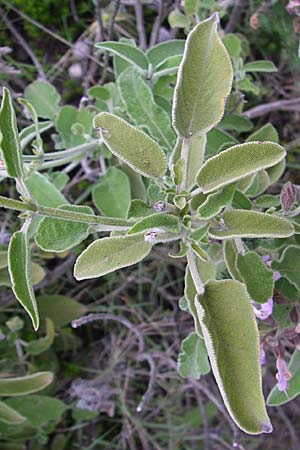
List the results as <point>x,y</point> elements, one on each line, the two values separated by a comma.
<point>60,309</point>
<point>242,223</point>
<point>131,54</point>
<point>109,254</point>
<point>232,341</point>
<point>131,145</point>
<point>57,235</point>
<point>256,276</point>
<point>12,387</point>
<point>237,162</point>
<point>193,359</point>
<point>19,267</point>
<point>9,138</point>
<point>204,81</point>
<point>9,415</point>
<point>159,222</point>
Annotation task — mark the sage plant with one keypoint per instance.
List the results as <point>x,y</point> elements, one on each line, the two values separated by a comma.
<point>192,200</point>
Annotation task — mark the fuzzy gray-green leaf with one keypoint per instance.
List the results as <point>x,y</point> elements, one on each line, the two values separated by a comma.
<point>131,145</point>
<point>238,162</point>
<point>232,341</point>
<point>159,222</point>
<point>109,254</point>
<point>19,267</point>
<point>12,387</point>
<point>193,359</point>
<point>204,81</point>
<point>9,138</point>
<point>9,415</point>
<point>242,223</point>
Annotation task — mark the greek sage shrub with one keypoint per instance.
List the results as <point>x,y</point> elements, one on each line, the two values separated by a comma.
<point>196,195</point>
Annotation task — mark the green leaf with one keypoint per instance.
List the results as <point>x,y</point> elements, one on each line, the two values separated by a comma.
<point>276,397</point>
<point>237,162</point>
<point>159,53</point>
<point>193,359</point>
<point>276,172</point>
<point>12,387</point>
<point>38,409</point>
<point>230,252</point>
<point>142,109</point>
<point>217,139</point>
<point>242,223</point>
<point>58,235</point>
<point>240,200</point>
<point>44,192</point>
<point>9,139</point>
<point>61,310</point>
<point>69,120</point>
<point>260,183</point>
<point>131,54</point>
<point>191,6</point>
<point>41,345</point>
<point>235,122</point>
<point>137,186</point>
<point>138,208</point>
<point>9,415</point>
<point>3,259</point>
<point>256,276</point>
<point>44,98</point>
<point>160,222</point>
<point>232,341</point>
<point>289,265</point>
<point>111,194</point>
<point>215,202</point>
<point>260,66</point>
<point>131,145</point>
<point>37,275</point>
<point>232,44</point>
<point>203,83</point>
<point>178,20</point>
<point>195,158</point>
<point>19,267</point>
<point>265,133</point>
<point>109,254</point>
<point>29,133</point>
<point>100,93</point>
<point>267,201</point>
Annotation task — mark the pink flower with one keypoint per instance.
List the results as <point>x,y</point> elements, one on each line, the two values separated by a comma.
<point>276,275</point>
<point>283,375</point>
<point>265,310</point>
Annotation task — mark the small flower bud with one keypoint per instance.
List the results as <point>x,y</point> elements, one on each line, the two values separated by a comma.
<point>287,196</point>
<point>283,375</point>
<point>151,237</point>
<point>159,206</point>
<point>265,310</point>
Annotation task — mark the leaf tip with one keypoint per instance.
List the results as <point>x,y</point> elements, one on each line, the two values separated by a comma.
<point>266,427</point>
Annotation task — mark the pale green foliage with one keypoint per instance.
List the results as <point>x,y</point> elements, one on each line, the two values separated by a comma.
<point>69,120</point>
<point>256,276</point>
<point>44,98</point>
<point>112,193</point>
<point>260,66</point>
<point>142,109</point>
<point>277,397</point>
<point>242,223</point>
<point>159,222</point>
<point>238,162</point>
<point>138,208</point>
<point>204,81</point>
<point>161,52</point>
<point>9,415</point>
<point>44,192</point>
<point>193,359</point>
<point>38,409</point>
<point>131,145</point>
<point>57,235</point>
<point>131,54</point>
<point>288,265</point>
<point>61,310</point>
<point>215,202</point>
<point>9,140</point>
<point>231,337</point>
<point>12,387</point>
<point>41,345</point>
<point>20,274</point>
<point>109,254</point>
<point>230,253</point>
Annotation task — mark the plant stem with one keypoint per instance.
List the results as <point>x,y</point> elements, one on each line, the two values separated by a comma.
<point>192,263</point>
<point>62,214</point>
<point>185,156</point>
<point>65,153</point>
